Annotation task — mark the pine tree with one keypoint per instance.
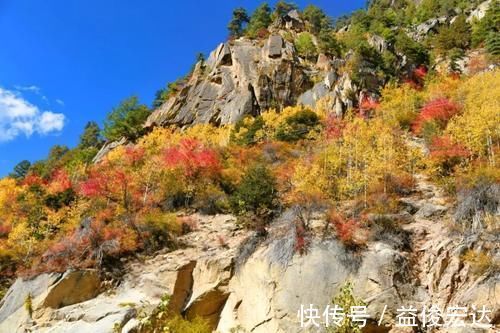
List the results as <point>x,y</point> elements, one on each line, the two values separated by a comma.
<point>240,18</point>
<point>91,136</point>
<point>21,169</point>
<point>261,19</point>
<point>126,120</point>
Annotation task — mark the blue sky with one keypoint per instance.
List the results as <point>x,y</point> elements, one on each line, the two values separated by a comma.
<point>65,62</point>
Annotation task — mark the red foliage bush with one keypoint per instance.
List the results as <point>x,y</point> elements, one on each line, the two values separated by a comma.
<point>301,241</point>
<point>105,181</point>
<point>193,158</point>
<point>262,33</point>
<point>334,127</point>
<point>60,181</point>
<point>346,229</point>
<point>367,105</point>
<point>94,186</point>
<point>420,72</point>
<point>87,247</point>
<point>5,229</point>
<point>134,155</point>
<point>188,224</point>
<point>33,179</point>
<point>417,77</point>
<point>440,110</point>
<point>444,148</point>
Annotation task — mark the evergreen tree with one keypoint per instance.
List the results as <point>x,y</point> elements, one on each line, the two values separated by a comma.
<point>328,44</point>
<point>91,136</point>
<point>126,120</point>
<point>261,19</point>
<point>21,169</point>
<point>317,19</point>
<point>455,36</point>
<point>236,26</point>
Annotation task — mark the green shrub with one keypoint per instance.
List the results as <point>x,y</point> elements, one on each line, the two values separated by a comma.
<point>415,52</point>
<point>162,320</point>
<point>328,44</point>
<point>317,19</point>
<point>479,262</point>
<point>28,304</point>
<point>455,36</point>
<point>181,325</point>
<point>345,299</point>
<point>305,46</point>
<point>256,191</point>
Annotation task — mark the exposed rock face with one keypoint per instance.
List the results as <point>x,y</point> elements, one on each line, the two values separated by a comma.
<point>479,12</point>
<point>431,25</point>
<point>45,291</point>
<point>107,148</point>
<point>378,42</point>
<point>265,297</point>
<point>73,287</point>
<point>239,78</point>
<point>247,77</point>
<point>337,92</point>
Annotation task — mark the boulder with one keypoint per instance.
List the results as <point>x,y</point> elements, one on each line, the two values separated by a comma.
<point>378,42</point>
<point>324,63</point>
<point>73,287</point>
<point>430,210</point>
<point>274,46</point>
<point>46,290</point>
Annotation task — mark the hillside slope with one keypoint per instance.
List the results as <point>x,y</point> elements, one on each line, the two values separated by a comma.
<point>303,162</point>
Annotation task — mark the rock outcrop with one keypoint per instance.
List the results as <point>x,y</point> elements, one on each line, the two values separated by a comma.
<point>42,293</point>
<point>247,77</point>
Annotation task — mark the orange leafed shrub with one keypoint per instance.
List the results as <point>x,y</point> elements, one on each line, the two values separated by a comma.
<point>367,106</point>
<point>346,229</point>
<point>59,182</point>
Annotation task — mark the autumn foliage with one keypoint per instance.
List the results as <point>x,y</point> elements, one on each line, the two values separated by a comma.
<point>73,213</point>
<point>193,158</point>
<point>439,111</point>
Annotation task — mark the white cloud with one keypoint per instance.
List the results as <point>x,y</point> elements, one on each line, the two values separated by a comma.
<point>33,89</point>
<point>20,117</point>
<point>50,122</point>
<point>60,102</point>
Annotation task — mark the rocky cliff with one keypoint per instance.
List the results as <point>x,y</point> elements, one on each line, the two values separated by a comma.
<point>246,77</point>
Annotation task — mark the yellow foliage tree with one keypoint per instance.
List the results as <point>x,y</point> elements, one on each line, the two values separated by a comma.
<point>478,127</point>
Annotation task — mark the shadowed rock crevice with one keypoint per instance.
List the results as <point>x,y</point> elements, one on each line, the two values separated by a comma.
<point>183,288</point>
